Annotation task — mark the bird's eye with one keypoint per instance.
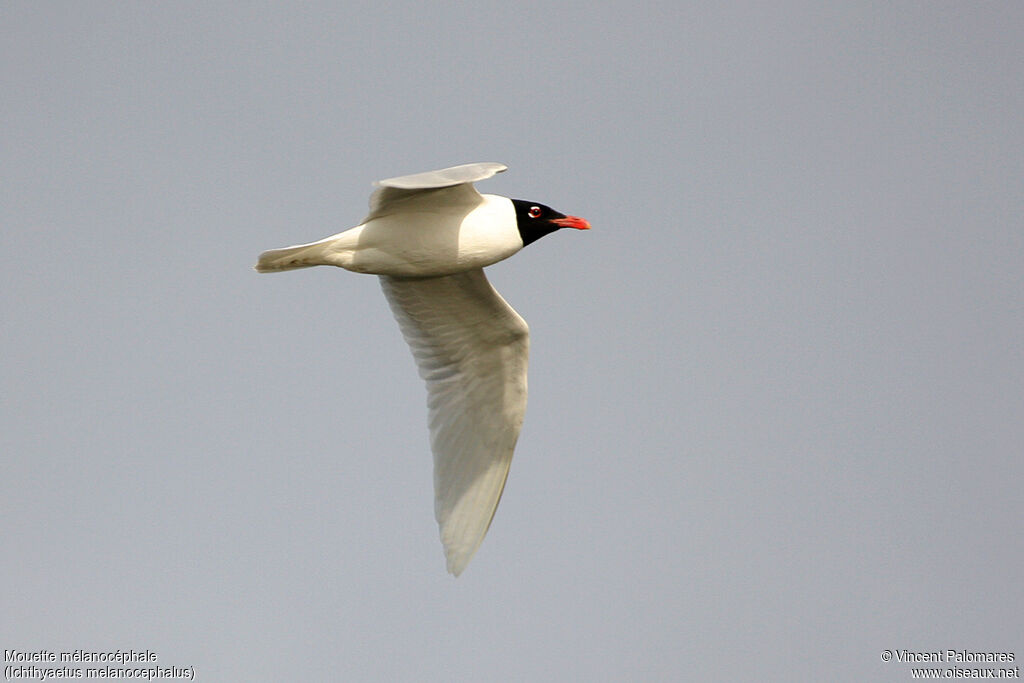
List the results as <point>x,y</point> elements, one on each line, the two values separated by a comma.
<point>535,212</point>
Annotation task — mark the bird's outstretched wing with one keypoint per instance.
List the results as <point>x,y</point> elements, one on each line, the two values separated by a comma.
<point>472,350</point>
<point>444,186</point>
<point>444,177</point>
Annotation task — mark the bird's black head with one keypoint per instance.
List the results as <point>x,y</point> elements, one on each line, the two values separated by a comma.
<point>536,220</point>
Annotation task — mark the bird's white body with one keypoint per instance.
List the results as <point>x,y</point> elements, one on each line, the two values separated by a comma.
<point>433,233</point>
<point>429,236</point>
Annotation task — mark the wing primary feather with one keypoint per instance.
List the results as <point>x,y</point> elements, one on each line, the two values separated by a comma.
<point>471,348</point>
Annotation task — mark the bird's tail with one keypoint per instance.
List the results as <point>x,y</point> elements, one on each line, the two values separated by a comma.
<point>299,256</point>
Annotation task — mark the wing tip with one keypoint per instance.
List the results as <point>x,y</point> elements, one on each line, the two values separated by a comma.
<point>457,556</point>
<point>456,568</point>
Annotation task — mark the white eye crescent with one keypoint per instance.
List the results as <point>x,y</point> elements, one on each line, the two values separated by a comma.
<point>534,212</point>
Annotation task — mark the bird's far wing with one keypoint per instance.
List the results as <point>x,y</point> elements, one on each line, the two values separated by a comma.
<point>447,185</point>
<point>445,177</point>
<point>472,349</point>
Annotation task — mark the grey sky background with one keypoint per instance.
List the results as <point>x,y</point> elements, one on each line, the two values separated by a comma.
<point>776,413</point>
